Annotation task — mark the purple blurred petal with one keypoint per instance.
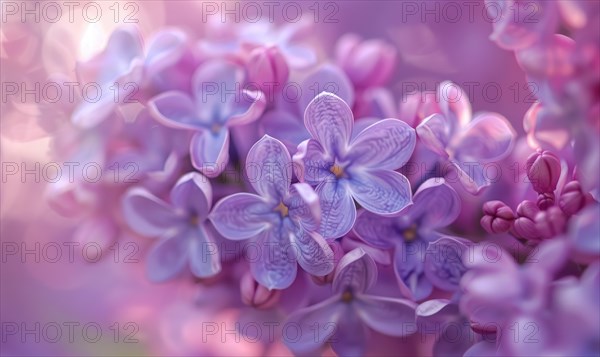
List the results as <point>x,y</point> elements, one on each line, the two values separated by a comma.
<point>389,316</point>
<point>356,271</point>
<point>408,267</point>
<point>248,108</point>
<point>443,262</point>
<point>164,50</point>
<point>324,316</point>
<point>203,254</point>
<point>387,144</point>
<point>148,215</point>
<point>436,204</point>
<point>193,193</point>
<point>327,78</point>
<point>351,334</point>
<point>376,230</point>
<point>240,216</point>
<point>435,133</point>
<point>176,110</point>
<point>383,192</point>
<point>489,137</point>
<point>210,151</point>
<point>168,257</point>
<point>285,126</point>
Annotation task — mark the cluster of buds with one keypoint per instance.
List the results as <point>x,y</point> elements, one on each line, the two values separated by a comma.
<point>545,218</point>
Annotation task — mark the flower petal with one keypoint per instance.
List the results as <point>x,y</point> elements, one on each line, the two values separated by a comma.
<point>356,271</point>
<point>376,230</point>
<point>210,152</point>
<point>454,103</point>
<point>168,257</point>
<point>389,316</point>
<point>329,120</point>
<point>443,262</point>
<point>285,126</point>
<point>311,164</point>
<point>351,334</point>
<point>247,109</point>
<point>304,207</point>
<point>328,78</point>
<point>193,193</point>
<point>436,204</point>
<point>313,253</point>
<point>164,50</point>
<point>215,83</point>
<point>147,214</point>
<point>204,254</point>
<point>387,144</point>
<point>408,267</point>
<point>383,192</point>
<point>488,138</point>
<point>176,110</point>
<point>435,132</point>
<point>274,265</point>
<point>240,216</point>
<point>337,206</point>
<point>470,174</point>
<point>269,168</point>
<point>324,316</point>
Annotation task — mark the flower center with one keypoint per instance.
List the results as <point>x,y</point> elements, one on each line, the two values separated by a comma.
<point>194,220</point>
<point>337,170</point>
<point>216,128</point>
<point>282,209</point>
<point>347,296</point>
<point>410,234</point>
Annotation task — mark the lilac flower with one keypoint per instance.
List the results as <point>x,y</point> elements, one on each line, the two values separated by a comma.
<point>343,319</point>
<point>466,144</point>
<point>345,169</point>
<point>422,257</point>
<point>210,113</point>
<point>181,226</point>
<point>584,234</point>
<point>282,219</point>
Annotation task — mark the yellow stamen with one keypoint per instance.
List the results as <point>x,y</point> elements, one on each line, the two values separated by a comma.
<point>410,234</point>
<point>282,209</point>
<point>215,128</point>
<point>337,170</point>
<point>194,220</point>
<point>347,296</point>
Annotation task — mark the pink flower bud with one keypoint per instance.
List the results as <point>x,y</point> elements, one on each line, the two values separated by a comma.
<point>367,63</point>
<point>256,295</point>
<point>498,217</point>
<point>524,226</point>
<point>267,69</point>
<point>543,170</point>
<point>551,222</point>
<point>572,199</point>
<point>545,200</point>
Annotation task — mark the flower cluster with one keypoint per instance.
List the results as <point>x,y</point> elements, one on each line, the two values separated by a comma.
<point>253,162</point>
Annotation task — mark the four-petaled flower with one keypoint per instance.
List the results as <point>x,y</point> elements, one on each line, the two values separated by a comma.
<point>343,319</point>
<point>182,227</point>
<point>218,104</point>
<point>422,256</point>
<point>346,168</point>
<point>282,219</point>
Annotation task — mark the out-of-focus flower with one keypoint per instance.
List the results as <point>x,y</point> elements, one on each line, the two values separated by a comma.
<point>466,143</point>
<point>368,63</point>
<point>180,226</point>
<point>282,219</point>
<point>268,70</point>
<point>256,295</point>
<point>584,234</point>
<point>343,319</point>
<point>345,169</point>
<point>498,217</point>
<point>218,103</point>
<point>436,205</point>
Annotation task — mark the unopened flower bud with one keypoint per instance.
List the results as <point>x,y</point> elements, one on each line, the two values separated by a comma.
<point>367,63</point>
<point>551,222</point>
<point>543,170</point>
<point>267,69</point>
<point>572,199</point>
<point>545,200</point>
<point>256,295</point>
<point>498,217</point>
<point>524,226</point>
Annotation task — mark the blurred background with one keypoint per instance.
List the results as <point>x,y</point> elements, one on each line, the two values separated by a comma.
<point>57,298</point>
